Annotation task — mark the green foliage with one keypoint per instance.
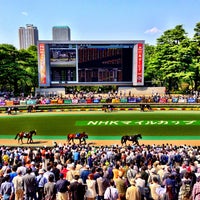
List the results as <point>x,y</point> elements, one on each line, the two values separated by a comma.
<point>18,69</point>
<point>174,60</point>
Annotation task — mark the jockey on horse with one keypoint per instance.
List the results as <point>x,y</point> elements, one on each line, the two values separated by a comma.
<point>80,136</point>
<point>27,135</point>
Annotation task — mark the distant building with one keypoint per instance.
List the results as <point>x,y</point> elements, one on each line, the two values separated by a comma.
<point>61,33</point>
<point>28,36</point>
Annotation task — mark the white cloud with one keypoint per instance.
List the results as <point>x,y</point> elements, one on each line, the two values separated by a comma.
<point>24,13</point>
<point>153,30</point>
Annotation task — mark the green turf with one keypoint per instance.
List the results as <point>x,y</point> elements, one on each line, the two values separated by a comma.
<point>163,125</point>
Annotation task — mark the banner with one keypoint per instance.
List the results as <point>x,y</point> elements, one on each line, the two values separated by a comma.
<point>139,63</point>
<point>42,65</point>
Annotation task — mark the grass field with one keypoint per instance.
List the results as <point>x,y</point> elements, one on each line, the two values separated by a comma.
<point>159,125</point>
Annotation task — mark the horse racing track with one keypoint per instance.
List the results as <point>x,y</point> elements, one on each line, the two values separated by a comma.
<point>159,127</point>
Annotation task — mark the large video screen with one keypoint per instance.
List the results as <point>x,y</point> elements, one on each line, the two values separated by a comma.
<point>105,64</point>
<point>90,63</point>
<point>63,64</point>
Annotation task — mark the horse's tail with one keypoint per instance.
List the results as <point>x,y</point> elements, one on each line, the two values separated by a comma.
<point>16,136</point>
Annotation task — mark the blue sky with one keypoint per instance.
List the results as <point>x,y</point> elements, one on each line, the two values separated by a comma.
<point>98,19</point>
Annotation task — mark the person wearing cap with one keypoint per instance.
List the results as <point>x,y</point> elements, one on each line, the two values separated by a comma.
<point>41,181</point>
<point>133,192</point>
<point>33,166</point>
<point>18,187</point>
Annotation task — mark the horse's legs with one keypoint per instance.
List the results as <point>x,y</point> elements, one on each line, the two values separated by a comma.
<point>29,140</point>
<point>21,140</point>
<point>136,142</point>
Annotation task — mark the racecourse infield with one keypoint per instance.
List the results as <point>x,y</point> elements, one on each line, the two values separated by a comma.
<point>8,140</point>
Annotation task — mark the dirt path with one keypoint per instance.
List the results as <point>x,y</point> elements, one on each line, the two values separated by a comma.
<point>8,142</point>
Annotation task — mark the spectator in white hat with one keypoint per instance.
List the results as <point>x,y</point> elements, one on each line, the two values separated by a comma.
<point>133,192</point>
<point>41,181</point>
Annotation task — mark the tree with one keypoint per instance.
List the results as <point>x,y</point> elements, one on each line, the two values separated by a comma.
<point>148,70</point>
<point>9,68</point>
<point>18,69</point>
<point>168,65</point>
<point>28,61</point>
<point>195,48</point>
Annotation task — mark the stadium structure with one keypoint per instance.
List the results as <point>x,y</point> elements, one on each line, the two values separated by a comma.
<point>73,63</point>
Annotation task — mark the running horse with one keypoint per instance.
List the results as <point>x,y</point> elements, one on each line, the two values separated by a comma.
<point>133,138</point>
<point>28,135</point>
<point>80,136</point>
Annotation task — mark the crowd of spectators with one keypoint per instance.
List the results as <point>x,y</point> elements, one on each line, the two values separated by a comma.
<point>92,97</point>
<point>78,172</point>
